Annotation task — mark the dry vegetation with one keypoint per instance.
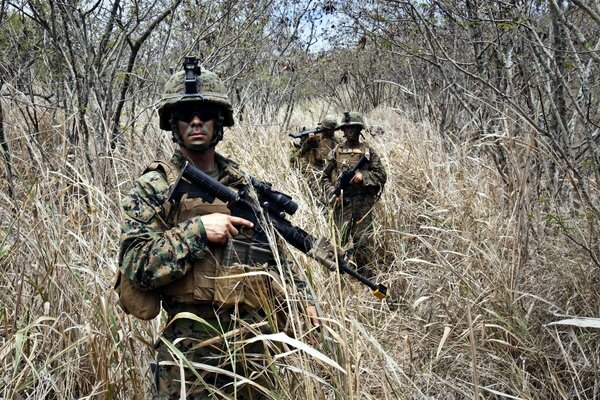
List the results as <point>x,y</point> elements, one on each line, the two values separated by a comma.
<point>487,236</point>
<point>475,293</point>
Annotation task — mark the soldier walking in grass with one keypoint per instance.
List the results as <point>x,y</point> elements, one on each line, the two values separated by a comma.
<point>354,199</point>
<point>311,153</point>
<point>180,256</point>
<point>316,146</point>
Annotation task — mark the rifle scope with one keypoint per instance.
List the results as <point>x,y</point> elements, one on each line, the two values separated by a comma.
<point>277,200</point>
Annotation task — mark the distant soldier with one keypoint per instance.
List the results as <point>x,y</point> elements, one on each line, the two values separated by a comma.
<point>353,178</point>
<point>315,146</point>
<point>310,154</point>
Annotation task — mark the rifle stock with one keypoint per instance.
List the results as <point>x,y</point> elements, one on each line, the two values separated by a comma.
<point>272,205</point>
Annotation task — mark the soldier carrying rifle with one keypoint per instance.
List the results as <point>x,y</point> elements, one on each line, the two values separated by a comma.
<point>197,260</point>
<point>315,144</point>
<point>353,197</point>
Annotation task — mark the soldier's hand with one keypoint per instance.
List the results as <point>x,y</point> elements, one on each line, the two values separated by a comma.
<point>313,315</point>
<point>357,178</point>
<point>220,228</point>
<point>313,339</point>
<point>311,137</point>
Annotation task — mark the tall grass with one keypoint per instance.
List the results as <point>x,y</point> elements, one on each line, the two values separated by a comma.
<point>475,280</point>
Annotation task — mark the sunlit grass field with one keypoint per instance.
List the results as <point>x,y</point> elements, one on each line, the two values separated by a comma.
<point>483,277</point>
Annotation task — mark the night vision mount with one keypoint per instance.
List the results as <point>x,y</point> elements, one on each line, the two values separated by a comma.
<point>192,72</point>
<point>346,117</point>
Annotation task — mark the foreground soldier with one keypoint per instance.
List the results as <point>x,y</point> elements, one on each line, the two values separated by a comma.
<point>353,207</point>
<point>182,252</point>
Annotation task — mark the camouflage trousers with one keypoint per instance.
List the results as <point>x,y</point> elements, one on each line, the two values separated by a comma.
<point>207,359</point>
<point>353,218</point>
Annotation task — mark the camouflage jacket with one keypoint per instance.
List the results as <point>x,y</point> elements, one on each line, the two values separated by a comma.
<point>152,253</point>
<point>315,151</point>
<point>373,172</point>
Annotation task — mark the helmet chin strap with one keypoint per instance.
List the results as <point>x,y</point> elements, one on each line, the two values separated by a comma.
<point>217,136</point>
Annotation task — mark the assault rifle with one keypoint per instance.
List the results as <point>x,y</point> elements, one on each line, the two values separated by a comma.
<point>273,206</point>
<point>345,177</point>
<point>305,132</point>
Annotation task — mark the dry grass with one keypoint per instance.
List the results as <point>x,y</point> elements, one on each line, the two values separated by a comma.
<point>476,279</point>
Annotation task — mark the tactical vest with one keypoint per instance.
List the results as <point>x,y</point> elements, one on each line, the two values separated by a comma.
<point>325,146</point>
<point>198,285</point>
<point>347,158</point>
<point>318,155</point>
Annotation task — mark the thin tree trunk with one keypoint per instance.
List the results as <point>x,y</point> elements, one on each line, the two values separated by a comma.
<point>6,149</point>
<point>135,48</point>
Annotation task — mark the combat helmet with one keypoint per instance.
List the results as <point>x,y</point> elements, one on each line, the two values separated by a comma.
<point>194,84</point>
<point>329,122</point>
<point>352,118</point>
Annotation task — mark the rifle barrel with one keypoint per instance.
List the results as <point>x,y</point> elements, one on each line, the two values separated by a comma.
<point>239,206</point>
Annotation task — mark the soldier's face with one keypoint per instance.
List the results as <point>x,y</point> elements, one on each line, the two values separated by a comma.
<point>351,133</point>
<point>328,133</point>
<point>196,126</point>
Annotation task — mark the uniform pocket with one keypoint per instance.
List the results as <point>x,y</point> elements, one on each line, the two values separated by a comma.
<point>229,285</point>
<point>261,287</point>
<point>141,304</point>
<point>138,209</point>
<point>255,288</point>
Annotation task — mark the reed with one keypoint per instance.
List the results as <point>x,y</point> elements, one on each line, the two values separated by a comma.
<point>476,283</point>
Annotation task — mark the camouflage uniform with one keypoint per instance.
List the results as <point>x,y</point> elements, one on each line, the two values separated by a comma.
<point>156,255</point>
<point>315,151</point>
<point>210,308</point>
<point>311,154</point>
<point>353,211</point>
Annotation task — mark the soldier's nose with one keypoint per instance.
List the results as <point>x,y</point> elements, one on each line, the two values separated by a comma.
<point>196,120</point>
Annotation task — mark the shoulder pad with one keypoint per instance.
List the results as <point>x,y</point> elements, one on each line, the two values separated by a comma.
<point>234,176</point>
<point>226,160</point>
<point>167,168</point>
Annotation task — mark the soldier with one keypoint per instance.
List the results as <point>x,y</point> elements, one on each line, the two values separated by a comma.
<point>353,209</point>
<point>177,253</point>
<point>316,147</point>
<point>310,154</point>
